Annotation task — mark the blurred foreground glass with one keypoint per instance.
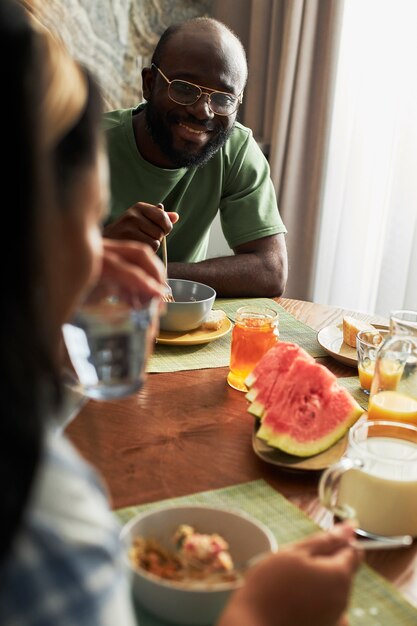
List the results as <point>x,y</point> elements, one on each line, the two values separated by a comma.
<point>254,333</point>
<point>109,340</point>
<point>394,396</point>
<point>376,482</point>
<point>367,345</point>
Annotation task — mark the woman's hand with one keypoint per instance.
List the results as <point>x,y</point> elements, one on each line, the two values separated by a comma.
<point>133,266</point>
<point>305,584</point>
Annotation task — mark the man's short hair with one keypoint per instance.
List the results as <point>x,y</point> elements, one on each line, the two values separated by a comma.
<point>207,22</point>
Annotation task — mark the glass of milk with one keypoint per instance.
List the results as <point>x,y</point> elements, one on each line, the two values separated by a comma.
<point>375,483</point>
<point>109,340</point>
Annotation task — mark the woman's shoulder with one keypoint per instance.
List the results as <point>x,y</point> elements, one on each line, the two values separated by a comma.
<point>68,495</point>
<point>67,555</point>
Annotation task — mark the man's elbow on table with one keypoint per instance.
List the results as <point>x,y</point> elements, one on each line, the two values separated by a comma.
<point>271,282</point>
<point>269,273</point>
<point>275,284</point>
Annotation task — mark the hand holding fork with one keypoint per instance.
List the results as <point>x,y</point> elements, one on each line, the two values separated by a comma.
<point>167,296</point>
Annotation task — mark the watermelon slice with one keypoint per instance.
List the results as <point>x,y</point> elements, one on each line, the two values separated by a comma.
<point>274,364</point>
<point>303,411</point>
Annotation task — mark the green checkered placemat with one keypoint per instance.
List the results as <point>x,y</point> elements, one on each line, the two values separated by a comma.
<point>351,383</point>
<point>169,358</point>
<point>179,358</point>
<point>374,602</point>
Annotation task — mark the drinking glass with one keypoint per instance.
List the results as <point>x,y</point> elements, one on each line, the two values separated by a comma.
<point>394,385</point>
<point>367,345</point>
<point>108,341</point>
<point>403,322</point>
<point>254,333</point>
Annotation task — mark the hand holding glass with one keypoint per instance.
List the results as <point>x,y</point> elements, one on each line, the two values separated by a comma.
<point>109,340</point>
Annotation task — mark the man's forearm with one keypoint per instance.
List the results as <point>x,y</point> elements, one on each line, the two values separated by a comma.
<point>235,276</point>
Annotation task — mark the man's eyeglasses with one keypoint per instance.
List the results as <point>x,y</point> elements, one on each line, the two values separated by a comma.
<point>185,93</point>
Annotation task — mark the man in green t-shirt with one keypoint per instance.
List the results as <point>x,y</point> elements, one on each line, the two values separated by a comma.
<point>183,149</point>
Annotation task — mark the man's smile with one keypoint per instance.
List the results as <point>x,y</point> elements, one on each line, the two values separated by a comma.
<point>197,131</point>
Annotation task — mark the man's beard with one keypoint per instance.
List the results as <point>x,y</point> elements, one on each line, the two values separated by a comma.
<point>162,136</point>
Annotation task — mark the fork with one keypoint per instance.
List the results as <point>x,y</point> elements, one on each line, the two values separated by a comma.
<point>167,296</point>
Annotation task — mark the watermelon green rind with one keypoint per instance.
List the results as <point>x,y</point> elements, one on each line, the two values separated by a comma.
<point>288,444</point>
<point>251,395</point>
<point>264,433</point>
<point>257,409</point>
<point>250,379</point>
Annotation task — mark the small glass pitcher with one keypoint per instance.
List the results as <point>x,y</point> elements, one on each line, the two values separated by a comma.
<point>394,385</point>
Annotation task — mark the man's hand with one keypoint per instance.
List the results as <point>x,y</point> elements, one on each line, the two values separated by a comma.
<point>143,222</point>
<point>305,584</point>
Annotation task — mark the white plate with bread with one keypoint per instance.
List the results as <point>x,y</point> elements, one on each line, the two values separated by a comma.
<point>217,325</point>
<point>340,340</point>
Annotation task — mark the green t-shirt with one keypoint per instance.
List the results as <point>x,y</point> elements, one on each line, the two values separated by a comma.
<point>235,181</point>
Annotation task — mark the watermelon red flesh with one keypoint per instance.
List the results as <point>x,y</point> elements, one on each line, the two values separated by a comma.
<point>273,364</point>
<point>307,411</point>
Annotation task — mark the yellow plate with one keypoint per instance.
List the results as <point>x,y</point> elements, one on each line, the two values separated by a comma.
<point>193,337</point>
<point>331,339</point>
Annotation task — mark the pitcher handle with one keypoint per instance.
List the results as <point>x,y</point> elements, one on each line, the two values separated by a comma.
<point>329,487</point>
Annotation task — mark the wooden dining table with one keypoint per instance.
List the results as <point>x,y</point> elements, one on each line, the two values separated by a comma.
<point>188,431</point>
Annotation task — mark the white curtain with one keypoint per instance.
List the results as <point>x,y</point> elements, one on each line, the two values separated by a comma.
<point>292,52</point>
<point>367,252</point>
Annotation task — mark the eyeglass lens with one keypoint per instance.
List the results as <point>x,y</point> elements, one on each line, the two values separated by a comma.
<point>185,93</point>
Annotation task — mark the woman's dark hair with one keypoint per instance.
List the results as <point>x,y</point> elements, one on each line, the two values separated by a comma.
<point>29,377</point>
<point>24,360</point>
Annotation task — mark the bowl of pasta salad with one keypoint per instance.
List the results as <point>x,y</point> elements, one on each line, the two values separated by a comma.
<point>185,561</point>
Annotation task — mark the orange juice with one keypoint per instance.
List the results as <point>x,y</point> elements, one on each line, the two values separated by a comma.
<point>252,337</point>
<point>366,374</point>
<point>392,405</point>
<point>389,374</point>
<point>367,345</point>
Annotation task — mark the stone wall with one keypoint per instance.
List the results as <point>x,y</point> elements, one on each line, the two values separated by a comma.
<point>115,38</point>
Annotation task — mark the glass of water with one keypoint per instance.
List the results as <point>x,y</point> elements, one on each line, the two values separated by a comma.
<point>109,340</point>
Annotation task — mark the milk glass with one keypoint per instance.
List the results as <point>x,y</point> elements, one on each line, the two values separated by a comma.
<point>376,482</point>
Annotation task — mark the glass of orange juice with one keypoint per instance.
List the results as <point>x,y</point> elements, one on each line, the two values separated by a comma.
<point>394,385</point>
<point>254,333</point>
<point>367,344</point>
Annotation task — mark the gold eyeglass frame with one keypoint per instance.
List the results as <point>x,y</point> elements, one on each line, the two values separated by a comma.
<point>203,91</point>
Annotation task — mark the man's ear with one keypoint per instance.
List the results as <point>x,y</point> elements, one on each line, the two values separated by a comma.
<point>147,82</point>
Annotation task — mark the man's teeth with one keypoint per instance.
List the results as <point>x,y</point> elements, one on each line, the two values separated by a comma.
<point>192,130</point>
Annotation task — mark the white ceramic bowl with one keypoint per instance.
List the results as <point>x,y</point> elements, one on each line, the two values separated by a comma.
<point>193,303</point>
<point>247,538</point>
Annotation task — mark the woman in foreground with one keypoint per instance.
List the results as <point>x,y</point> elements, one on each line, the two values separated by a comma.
<point>60,557</point>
